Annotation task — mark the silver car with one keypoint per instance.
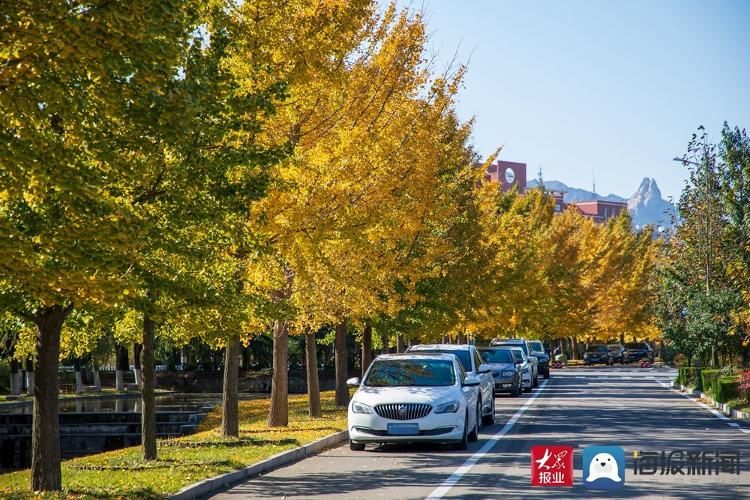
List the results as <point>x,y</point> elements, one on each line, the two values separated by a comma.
<point>522,362</point>
<point>506,374</point>
<point>533,361</point>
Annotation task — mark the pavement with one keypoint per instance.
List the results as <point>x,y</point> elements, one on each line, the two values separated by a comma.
<point>622,406</point>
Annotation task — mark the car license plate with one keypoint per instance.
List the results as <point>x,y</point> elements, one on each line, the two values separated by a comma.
<point>403,429</point>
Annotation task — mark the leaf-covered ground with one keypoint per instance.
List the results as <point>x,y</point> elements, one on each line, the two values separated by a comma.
<point>185,460</point>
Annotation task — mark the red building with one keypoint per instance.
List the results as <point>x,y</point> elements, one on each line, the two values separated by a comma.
<point>508,174</point>
<point>600,210</point>
<point>511,174</point>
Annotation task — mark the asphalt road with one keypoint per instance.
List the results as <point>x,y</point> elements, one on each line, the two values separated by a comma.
<point>621,406</point>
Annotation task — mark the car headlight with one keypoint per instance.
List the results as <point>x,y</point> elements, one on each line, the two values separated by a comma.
<point>358,407</point>
<point>451,407</point>
<point>508,373</point>
<point>585,355</point>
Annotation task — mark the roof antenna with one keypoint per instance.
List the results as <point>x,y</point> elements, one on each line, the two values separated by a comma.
<point>593,182</point>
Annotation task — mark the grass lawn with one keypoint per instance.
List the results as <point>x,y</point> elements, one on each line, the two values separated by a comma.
<point>185,460</point>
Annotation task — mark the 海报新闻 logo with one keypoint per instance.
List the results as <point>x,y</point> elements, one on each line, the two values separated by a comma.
<point>603,467</point>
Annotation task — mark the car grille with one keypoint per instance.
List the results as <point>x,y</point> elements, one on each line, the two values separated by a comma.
<point>403,411</point>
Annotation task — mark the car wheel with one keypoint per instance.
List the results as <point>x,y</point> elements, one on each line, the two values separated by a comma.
<point>536,381</point>
<point>474,434</point>
<point>546,375</point>
<point>527,389</point>
<point>356,446</point>
<point>464,442</point>
<point>490,419</point>
<point>516,391</point>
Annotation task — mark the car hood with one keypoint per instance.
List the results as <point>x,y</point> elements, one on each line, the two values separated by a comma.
<point>501,366</point>
<point>432,395</point>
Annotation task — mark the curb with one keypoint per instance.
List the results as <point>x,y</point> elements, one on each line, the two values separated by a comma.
<point>216,483</point>
<point>726,410</point>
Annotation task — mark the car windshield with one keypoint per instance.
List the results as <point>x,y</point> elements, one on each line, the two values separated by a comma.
<point>461,354</point>
<point>517,355</point>
<point>410,372</point>
<point>597,348</point>
<point>497,355</point>
<point>634,345</point>
<point>536,346</point>
<point>513,343</point>
<point>614,348</point>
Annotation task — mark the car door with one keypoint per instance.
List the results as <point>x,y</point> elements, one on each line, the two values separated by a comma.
<point>486,382</point>
<point>469,393</point>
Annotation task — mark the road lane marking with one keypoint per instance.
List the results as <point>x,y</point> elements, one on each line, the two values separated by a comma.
<point>456,476</point>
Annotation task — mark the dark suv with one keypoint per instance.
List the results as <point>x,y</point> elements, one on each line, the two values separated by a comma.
<point>537,349</point>
<point>637,351</point>
<point>597,353</point>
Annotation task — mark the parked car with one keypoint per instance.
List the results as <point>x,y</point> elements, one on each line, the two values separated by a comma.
<point>522,362</point>
<point>474,366</point>
<point>506,375</point>
<point>617,351</point>
<point>533,361</point>
<point>412,397</point>
<point>636,351</point>
<point>597,353</point>
<point>540,353</point>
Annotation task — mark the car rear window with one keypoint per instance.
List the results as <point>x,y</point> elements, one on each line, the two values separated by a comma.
<point>461,354</point>
<point>597,348</point>
<point>511,343</point>
<point>410,373</point>
<point>497,355</point>
<point>536,346</point>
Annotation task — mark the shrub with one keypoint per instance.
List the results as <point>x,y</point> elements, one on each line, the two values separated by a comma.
<point>745,384</point>
<point>708,376</point>
<point>725,389</point>
<point>690,376</point>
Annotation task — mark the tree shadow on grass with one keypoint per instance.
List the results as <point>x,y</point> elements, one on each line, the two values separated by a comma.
<point>166,463</point>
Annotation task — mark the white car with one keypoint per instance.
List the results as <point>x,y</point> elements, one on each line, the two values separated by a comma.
<point>414,397</point>
<point>533,361</point>
<point>474,365</point>
<point>522,361</point>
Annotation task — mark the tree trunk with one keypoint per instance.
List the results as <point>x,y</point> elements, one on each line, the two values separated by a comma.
<point>399,343</point>
<point>137,348</point>
<point>311,365</point>
<point>79,378</point>
<point>384,341</point>
<point>97,378</point>
<point>366,348</point>
<point>148,410</point>
<point>15,381</point>
<point>29,376</point>
<point>342,365</point>
<point>45,434</point>
<point>121,367</point>
<point>461,339</point>
<point>278,413</point>
<point>574,348</point>
<point>230,424</point>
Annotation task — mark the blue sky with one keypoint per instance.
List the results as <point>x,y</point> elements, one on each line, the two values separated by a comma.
<point>611,89</point>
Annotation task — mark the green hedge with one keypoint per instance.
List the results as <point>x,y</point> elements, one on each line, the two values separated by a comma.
<point>725,389</point>
<point>708,377</point>
<point>690,376</point>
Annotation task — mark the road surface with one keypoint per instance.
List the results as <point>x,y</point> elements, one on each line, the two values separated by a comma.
<point>623,406</point>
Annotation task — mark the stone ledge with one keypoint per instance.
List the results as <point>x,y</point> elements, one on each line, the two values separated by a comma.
<point>214,484</point>
<point>726,410</point>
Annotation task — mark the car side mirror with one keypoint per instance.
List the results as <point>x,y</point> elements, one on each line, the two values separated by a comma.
<point>483,368</point>
<point>353,382</point>
<point>471,382</point>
